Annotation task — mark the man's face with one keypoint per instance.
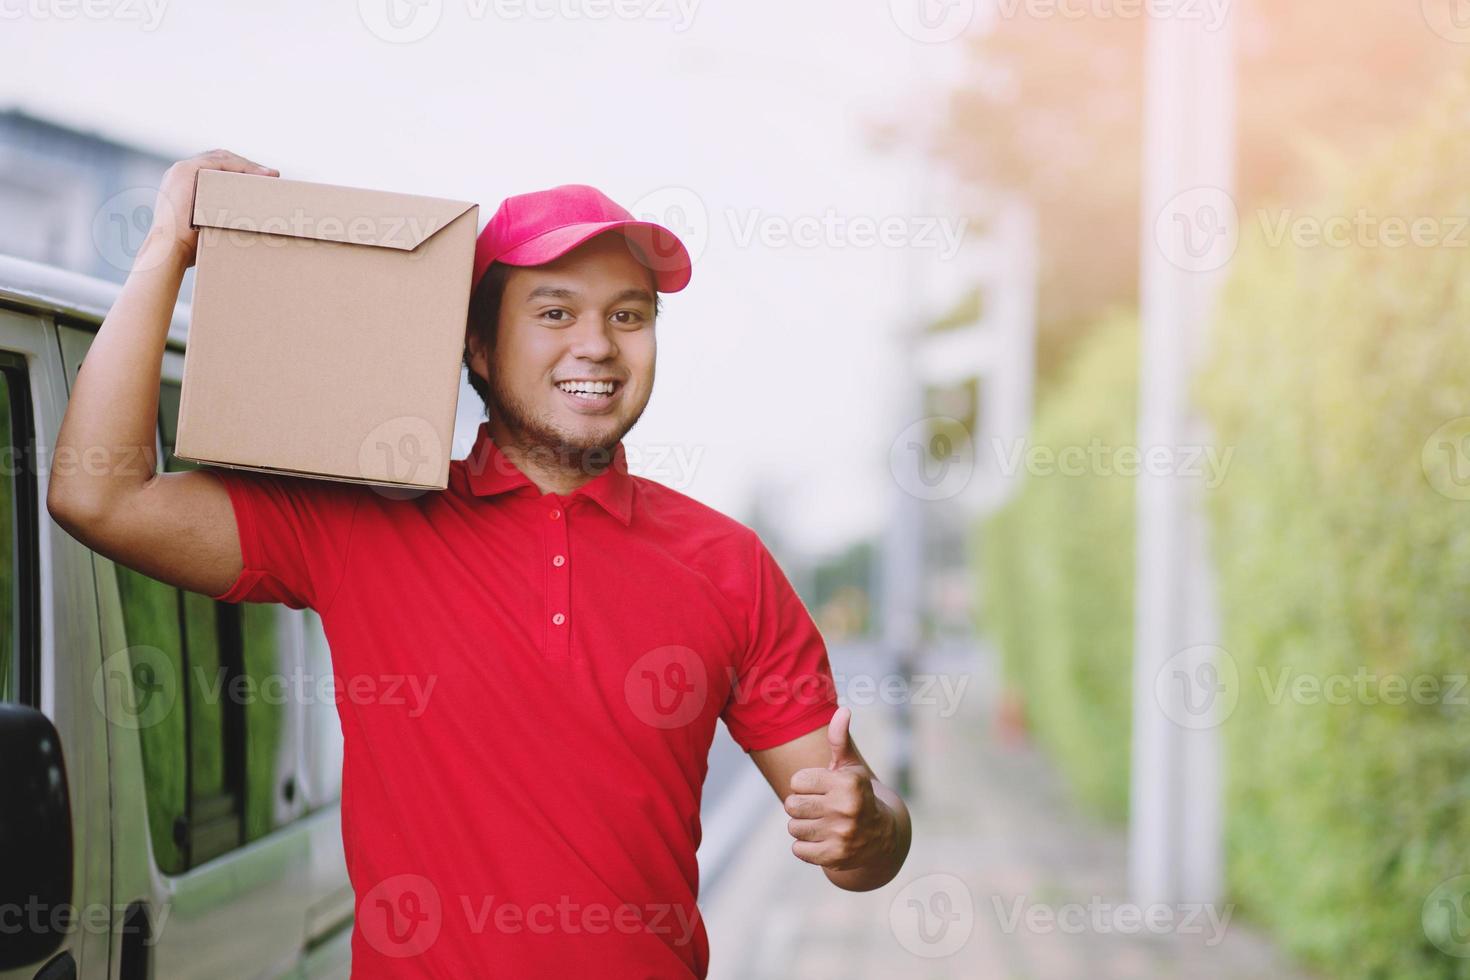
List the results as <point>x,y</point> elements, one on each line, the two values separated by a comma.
<point>573,362</point>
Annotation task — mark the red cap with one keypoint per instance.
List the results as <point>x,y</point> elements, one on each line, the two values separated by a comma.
<point>535,228</point>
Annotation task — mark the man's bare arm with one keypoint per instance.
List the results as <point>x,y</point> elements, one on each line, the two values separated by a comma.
<point>104,489</point>
<point>843,818</point>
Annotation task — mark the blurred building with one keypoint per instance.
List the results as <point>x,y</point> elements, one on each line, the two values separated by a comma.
<point>75,199</point>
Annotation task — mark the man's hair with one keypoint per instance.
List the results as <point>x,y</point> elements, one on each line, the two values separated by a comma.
<point>484,318</point>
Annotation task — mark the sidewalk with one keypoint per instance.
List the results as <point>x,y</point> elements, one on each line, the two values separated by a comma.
<point>1005,880</point>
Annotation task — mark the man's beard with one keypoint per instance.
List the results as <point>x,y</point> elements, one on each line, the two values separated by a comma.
<point>540,438</point>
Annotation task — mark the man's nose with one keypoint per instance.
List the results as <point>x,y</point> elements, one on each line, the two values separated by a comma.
<point>594,341</point>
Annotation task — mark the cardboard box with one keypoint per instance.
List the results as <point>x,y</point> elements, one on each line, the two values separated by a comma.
<point>327,330</point>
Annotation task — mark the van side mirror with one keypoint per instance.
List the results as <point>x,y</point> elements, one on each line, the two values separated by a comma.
<point>35,837</point>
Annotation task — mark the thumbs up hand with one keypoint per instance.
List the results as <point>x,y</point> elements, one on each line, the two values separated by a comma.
<point>837,820</point>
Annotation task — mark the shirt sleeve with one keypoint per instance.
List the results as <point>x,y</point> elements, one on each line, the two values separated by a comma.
<point>784,683</point>
<point>295,533</point>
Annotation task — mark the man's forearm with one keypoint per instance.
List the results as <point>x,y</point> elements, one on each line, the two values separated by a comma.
<point>886,864</point>
<point>106,440</point>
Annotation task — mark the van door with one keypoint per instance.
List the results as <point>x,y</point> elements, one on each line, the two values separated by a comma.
<point>206,764</point>
<point>46,591</point>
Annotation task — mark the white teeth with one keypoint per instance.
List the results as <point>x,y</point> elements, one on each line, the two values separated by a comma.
<point>586,387</point>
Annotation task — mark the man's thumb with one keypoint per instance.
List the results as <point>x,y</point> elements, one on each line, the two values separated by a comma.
<point>838,741</point>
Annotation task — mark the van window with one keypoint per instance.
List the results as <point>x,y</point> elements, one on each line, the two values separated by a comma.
<point>323,723</point>
<point>219,770</point>
<point>19,559</point>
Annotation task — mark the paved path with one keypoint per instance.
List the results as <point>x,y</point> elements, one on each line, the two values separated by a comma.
<point>1005,879</point>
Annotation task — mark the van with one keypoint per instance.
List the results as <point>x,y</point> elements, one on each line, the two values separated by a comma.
<point>170,766</point>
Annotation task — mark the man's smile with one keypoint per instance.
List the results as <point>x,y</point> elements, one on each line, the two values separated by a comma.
<point>590,396</point>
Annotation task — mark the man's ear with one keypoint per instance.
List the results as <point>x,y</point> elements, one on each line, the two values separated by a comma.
<point>474,354</point>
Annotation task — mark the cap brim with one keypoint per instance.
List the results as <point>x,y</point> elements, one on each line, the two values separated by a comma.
<point>653,245</point>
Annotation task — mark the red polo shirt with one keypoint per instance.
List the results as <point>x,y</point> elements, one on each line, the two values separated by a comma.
<point>528,685</point>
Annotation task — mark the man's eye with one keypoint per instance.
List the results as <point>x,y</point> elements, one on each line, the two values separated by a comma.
<point>557,318</point>
<point>629,316</point>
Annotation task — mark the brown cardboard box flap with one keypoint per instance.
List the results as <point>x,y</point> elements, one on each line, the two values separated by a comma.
<point>325,212</point>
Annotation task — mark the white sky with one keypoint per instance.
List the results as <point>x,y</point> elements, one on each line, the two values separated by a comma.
<point>774,363</point>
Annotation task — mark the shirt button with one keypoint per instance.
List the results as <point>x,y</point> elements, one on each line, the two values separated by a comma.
<point>559,560</point>
<point>558,619</point>
<point>555,513</point>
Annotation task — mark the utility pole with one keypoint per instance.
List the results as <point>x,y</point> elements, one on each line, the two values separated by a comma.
<point>1188,236</point>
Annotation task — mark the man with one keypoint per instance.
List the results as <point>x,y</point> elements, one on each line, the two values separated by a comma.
<point>578,630</point>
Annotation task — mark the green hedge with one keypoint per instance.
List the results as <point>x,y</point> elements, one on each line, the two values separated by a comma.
<point>1332,367</point>
<point>1057,571</point>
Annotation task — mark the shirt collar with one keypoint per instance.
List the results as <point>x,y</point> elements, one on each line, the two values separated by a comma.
<point>491,472</point>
